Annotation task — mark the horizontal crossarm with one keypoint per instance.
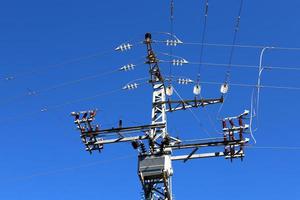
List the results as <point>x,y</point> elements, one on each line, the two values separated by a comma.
<point>129,129</point>
<point>175,105</point>
<point>237,154</point>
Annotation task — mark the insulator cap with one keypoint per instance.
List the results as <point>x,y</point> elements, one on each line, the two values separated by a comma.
<point>224,88</point>
<point>169,90</point>
<point>197,89</point>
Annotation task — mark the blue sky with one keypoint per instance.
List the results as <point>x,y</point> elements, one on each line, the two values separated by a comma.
<point>41,153</point>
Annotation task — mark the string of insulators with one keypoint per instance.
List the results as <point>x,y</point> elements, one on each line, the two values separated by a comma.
<point>179,62</point>
<point>185,81</point>
<point>128,67</point>
<point>143,148</point>
<point>131,86</point>
<point>173,42</point>
<point>124,47</point>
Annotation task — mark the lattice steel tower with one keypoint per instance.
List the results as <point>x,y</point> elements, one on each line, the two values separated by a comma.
<point>157,148</point>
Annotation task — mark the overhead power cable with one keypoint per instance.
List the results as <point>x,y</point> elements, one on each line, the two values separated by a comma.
<point>45,109</point>
<point>66,169</point>
<point>253,85</point>
<point>194,115</point>
<point>171,31</point>
<point>49,67</point>
<point>57,106</point>
<point>203,37</point>
<point>266,67</point>
<point>72,168</point>
<point>68,83</point>
<point>274,147</point>
<point>236,29</point>
<point>122,47</point>
<point>237,45</point>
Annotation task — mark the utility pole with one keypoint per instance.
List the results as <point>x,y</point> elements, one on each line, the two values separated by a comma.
<point>157,148</point>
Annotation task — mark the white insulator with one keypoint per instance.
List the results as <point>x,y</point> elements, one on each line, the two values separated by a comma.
<point>185,81</point>
<point>224,88</point>
<point>131,86</point>
<point>124,47</point>
<point>197,89</point>
<point>167,42</point>
<point>179,41</point>
<point>173,42</point>
<point>169,90</point>
<point>128,67</point>
<point>180,62</point>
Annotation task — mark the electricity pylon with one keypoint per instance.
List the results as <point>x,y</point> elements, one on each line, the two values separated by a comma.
<point>155,145</point>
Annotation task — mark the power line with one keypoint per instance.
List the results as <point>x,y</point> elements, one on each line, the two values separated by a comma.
<point>194,115</point>
<point>72,168</point>
<point>252,85</point>
<point>64,84</point>
<point>122,47</point>
<point>274,147</point>
<point>67,169</point>
<point>57,106</point>
<point>266,67</point>
<point>171,31</point>
<point>295,68</point>
<point>60,105</point>
<point>62,64</point>
<point>203,36</point>
<point>236,45</point>
<point>236,29</point>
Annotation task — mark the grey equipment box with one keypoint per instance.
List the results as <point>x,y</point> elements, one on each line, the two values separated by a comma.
<point>155,167</point>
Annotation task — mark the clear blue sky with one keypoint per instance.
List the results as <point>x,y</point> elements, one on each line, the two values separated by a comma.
<point>41,153</point>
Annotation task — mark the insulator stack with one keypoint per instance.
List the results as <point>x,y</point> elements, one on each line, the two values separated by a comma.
<point>131,86</point>
<point>173,42</point>
<point>124,47</point>
<point>128,67</point>
<point>143,148</point>
<point>179,62</point>
<point>185,81</point>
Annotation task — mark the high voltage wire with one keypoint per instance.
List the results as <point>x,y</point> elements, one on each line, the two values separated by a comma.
<point>62,64</point>
<point>46,109</point>
<point>252,85</point>
<point>57,106</point>
<point>296,68</point>
<point>275,147</point>
<point>61,85</point>
<point>194,115</point>
<point>72,168</point>
<point>66,169</point>
<point>236,29</point>
<point>228,73</point>
<point>171,31</point>
<point>236,45</point>
<point>203,37</point>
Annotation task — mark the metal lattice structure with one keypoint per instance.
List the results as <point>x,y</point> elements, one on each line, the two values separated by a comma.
<point>157,148</point>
